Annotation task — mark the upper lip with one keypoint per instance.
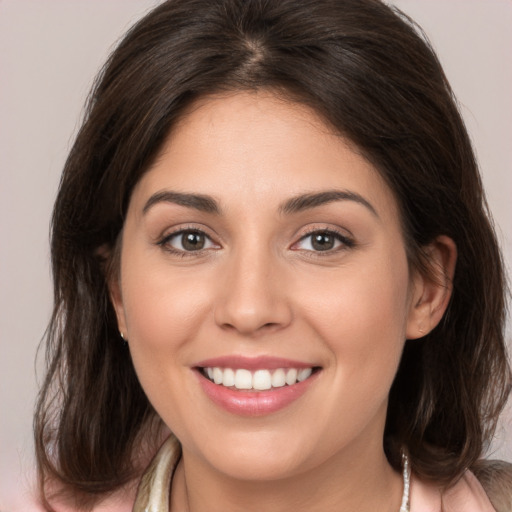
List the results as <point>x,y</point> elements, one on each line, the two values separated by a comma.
<point>252,363</point>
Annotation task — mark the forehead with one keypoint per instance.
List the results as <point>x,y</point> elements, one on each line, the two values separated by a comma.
<point>256,145</point>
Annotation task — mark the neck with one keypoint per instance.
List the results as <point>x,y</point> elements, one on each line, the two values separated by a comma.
<point>359,479</point>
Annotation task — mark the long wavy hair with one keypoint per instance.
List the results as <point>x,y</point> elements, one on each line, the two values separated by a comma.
<point>369,72</point>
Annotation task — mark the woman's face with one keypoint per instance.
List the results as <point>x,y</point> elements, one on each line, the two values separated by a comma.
<point>261,249</point>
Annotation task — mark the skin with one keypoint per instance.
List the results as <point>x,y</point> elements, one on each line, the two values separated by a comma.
<point>258,287</point>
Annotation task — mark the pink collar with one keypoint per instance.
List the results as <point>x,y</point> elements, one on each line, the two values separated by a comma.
<point>467,495</point>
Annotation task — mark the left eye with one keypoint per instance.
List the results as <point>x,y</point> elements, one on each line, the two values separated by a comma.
<point>322,241</point>
<point>188,241</point>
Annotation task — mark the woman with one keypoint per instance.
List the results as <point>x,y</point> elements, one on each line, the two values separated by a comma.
<point>276,206</point>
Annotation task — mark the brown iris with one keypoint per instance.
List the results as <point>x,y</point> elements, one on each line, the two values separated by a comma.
<point>192,241</point>
<point>322,241</point>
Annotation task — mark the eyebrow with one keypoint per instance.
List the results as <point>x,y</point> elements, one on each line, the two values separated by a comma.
<point>313,200</point>
<point>296,204</point>
<point>197,201</point>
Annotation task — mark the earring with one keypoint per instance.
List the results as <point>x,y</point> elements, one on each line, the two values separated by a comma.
<point>125,341</point>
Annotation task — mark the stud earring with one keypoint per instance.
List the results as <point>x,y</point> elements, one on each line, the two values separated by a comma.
<point>124,339</point>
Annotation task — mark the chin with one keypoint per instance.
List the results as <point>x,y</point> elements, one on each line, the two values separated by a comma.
<point>259,456</point>
<point>253,468</point>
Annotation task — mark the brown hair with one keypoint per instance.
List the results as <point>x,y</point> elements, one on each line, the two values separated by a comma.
<point>496,478</point>
<point>368,70</point>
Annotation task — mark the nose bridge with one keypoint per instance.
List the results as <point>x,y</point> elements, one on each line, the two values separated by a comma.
<point>253,297</point>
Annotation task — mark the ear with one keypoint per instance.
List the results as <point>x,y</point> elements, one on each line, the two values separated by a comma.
<point>114,287</point>
<point>431,293</point>
<point>110,261</point>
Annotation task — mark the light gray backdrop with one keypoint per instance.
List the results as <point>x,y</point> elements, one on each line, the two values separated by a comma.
<point>49,52</point>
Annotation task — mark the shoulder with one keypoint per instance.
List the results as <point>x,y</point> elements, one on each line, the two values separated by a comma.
<point>120,501</point>
<point>62,500</point>
<point>468,494</point>
<point>495,476</point>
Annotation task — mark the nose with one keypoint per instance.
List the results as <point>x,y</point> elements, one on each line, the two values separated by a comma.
<point>253,295</point>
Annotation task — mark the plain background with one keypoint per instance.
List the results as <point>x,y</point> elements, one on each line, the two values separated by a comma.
<point>50,51</point>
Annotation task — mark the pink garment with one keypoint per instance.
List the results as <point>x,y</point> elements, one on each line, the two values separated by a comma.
<point>28,503</point>
<point>467,495</point>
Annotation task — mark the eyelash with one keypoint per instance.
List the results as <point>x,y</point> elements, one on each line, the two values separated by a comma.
<point>164,242</point>
<point>346,242</point>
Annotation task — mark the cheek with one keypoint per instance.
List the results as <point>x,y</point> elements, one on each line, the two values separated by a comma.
<point>360,312</point>
<point>164,311</point>
<point>162,308</point>
<point>361,318</point>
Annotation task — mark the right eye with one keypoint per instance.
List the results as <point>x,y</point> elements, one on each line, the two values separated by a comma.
<point>188,240</point>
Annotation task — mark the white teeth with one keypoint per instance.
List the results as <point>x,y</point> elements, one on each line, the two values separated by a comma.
<point>217,376</point>
<point>229,378</point>
<point>260,380</point>
<point>243,379</point>
<point>291,376</point>
<point>304,374</point>
<point>278,378</point>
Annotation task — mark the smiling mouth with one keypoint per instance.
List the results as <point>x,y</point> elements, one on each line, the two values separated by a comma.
<point>258,380</point>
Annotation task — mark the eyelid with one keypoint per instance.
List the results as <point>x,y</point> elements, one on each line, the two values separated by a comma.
<point>163,241</point>
<point>346,241</point>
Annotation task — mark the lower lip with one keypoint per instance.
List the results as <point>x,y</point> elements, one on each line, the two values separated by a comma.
<point>254,403</point>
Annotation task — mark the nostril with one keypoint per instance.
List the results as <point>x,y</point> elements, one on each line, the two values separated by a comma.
<point>248,329</point>
<point>251,313</point>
